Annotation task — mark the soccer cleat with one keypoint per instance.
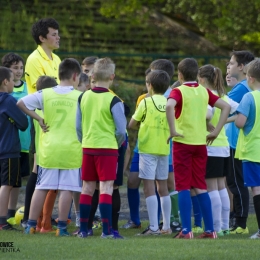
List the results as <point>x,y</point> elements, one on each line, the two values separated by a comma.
<point>256,235</point>
<point>148,232</point>
<point>46,230</point>
<point>222,233</point>
<point>60,232</point>
<point>180,235</point>
<point>82,234</point>
<point>107,236</point>
<point>90,232</point>
<point>239,231</point>
<point>24,223</point>
<point>29,230</point>
<point>77,222</point>
<point>116,235</point>
<point>166,232</point>
<point>130,224</point>
<point>176,226</point>
<point>197,229</point>
<point>211,235</point>
<point>8,227</point>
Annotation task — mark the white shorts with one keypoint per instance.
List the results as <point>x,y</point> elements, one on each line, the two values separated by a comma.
<point>56,179</point>
<point>153,167</point>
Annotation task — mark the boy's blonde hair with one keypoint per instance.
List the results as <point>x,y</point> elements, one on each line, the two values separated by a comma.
<point>253,69</point>
<point>103,69</point>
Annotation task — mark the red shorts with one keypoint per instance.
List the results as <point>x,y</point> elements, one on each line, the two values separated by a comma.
<point>99,167</point>
<point>189,166</point>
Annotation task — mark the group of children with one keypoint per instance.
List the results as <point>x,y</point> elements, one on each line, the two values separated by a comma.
<point>80,144</point>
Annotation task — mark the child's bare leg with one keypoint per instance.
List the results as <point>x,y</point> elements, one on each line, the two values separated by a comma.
<point>4,199</point>
<point>13,198</point>
<point>37,203</point>
<point>64,204</point>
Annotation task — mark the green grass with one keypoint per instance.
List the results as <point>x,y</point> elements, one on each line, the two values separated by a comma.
<point>47,246</point>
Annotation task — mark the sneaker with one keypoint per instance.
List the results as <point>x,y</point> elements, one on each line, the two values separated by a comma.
<point>60,232</point>
<point>29,230</point>
<point>175,226</point>
<point>148,232</point>
<point>24,223</point>
<point>180,235</point>
<point>107,236</point>
<point>239,231</point>
<point>256,235</point>
<point>116,235</point>
<point>75,233</point>
<point>8,227</point>
<point>211,235</point>
<point>77,222</point>
<point>197,229</point>
<point>222,233</point>
<point>90,232</point>
<point>46,230</point>
<point>166,232</point>
<point>130,224</point>
<point>82,234</point>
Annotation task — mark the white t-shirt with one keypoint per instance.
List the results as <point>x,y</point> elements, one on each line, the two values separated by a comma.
<point>35,100</point>
<point>221,151</point>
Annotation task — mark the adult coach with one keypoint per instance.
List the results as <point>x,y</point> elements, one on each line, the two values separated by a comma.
<point>40,62</point>
<point>43,61</point>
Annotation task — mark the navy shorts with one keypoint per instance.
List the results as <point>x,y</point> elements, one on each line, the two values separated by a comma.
<point>10,174</point>
<point>251,173</point>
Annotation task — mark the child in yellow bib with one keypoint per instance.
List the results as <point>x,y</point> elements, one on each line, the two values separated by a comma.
<point>249,138</point>
<point>59,149</point>
<point>153,149</point>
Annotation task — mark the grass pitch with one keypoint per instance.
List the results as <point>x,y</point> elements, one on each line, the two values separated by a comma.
<point>47,246</point>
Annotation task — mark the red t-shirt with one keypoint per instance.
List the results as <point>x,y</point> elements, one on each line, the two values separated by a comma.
<point>176,95</point>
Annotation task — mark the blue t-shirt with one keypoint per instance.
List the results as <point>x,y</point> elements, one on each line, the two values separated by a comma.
<point>237,93</point>
<point>247,108</point>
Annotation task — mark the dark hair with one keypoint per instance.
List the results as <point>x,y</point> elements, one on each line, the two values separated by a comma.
<point>41,28</point>
<point>176,84</point>
<point>11,58</point>
<point>147,71</point>
<point>163,64</point>
<point>45,82</point>
<point>214,77</point>
<point>89,60</point>
<point>189,69</point>
<point>83,78</point>
<point>5,73</point>
<point>243,57</point>
<point>68,67</point>
<point>160,81</point>
<point>253,69</point>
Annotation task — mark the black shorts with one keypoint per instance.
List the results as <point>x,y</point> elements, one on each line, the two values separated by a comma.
<point>10,172</point>
<point>217,167</point>
<point>24,164</point>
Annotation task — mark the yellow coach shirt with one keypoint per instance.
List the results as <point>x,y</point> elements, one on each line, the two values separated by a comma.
<point>38,64</point>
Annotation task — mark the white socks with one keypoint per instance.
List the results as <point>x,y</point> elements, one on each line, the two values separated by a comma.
<point>225,209</point>
<point>152,208</point>
<point>216,209</point>
<point>166,211</point>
